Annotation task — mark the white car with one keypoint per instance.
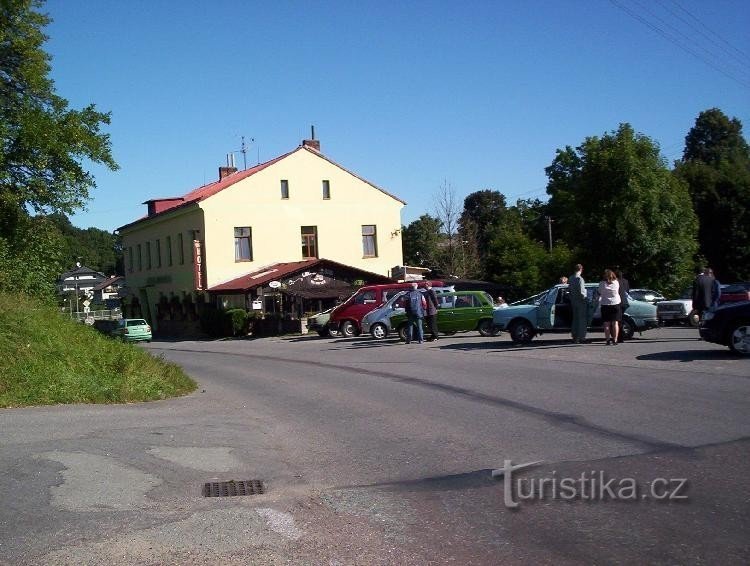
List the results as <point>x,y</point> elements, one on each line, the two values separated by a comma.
<point>678,310</point>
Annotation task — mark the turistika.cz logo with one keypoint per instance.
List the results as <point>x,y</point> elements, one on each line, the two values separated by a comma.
<point>590,485</point>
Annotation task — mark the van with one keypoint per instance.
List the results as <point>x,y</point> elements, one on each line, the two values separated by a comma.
<point>347,317</point>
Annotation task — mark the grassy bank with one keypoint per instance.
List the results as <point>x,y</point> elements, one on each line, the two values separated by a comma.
<point>46,359</point>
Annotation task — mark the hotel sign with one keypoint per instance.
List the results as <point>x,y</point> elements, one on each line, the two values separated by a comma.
<point>198,276</point>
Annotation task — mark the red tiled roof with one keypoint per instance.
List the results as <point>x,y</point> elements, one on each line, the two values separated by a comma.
<point>279,271</point>
<point>201,193</point>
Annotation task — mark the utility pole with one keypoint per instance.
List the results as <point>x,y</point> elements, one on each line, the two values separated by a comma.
<point>549,230</point>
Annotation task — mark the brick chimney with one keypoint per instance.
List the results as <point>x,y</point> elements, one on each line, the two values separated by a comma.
<point>312,143</point>
<point>226,171</point>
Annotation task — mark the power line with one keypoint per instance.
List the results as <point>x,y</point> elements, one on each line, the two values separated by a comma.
<point>732,47</point>
<point>679,44</point>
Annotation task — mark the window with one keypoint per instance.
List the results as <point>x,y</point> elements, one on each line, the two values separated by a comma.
<point>284,188</point>
<point>130,259</point>
<point>158,253</point>
<point>140,259</point>
<point>243,244</point>
<point>364,298</point>
<point>180,248</point>
<point>169,251</point>
<point>309,242</point>
<point>369,241</point>
<point>326,190</point>
<point>148,255</point>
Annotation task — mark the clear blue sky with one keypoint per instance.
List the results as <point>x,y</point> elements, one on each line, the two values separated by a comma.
<point>407,94</point>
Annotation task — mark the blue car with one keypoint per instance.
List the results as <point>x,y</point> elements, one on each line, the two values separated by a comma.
<point>550,311</point>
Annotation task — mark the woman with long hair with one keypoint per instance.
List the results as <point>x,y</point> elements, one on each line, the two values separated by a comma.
<point>609,295</point>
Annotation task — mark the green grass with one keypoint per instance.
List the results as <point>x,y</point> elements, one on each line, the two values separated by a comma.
<point>46,359</point>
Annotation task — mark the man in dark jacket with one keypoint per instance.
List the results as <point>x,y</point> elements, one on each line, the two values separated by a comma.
<point>415,306</point>
<point>430,316</point>
<point>624,304</point>
<point>703,289</point>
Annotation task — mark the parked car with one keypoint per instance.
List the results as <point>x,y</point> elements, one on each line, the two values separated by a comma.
<point>378,322</point>
<point>319,323</point>
<point>648,295</point>
<point>678,310</point>
<point>132,330</point>
<point>729,325</point>
<point>347,317</point>
<point>550,311</point>
<point>457,311</point>
<point>735,292</point>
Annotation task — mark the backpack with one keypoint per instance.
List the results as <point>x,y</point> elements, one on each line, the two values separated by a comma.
<point>416,303</point>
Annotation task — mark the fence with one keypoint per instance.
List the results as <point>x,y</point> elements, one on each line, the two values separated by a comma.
<point>91,316</point>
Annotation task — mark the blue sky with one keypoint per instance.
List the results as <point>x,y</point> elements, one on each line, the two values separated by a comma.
<point>409,95</point>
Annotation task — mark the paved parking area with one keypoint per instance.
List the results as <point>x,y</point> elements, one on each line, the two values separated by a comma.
<point>381,453</point>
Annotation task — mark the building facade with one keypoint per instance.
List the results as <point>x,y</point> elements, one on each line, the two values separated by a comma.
<point>296,207</point>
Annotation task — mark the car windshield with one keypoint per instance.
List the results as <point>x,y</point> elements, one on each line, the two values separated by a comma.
<point>136,322</point>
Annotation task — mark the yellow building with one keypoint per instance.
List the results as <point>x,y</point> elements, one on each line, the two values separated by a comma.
<point>296,207</point>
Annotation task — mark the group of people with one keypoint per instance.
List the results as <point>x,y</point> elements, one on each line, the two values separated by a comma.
<point>419,306</point>
<point>613,298</point>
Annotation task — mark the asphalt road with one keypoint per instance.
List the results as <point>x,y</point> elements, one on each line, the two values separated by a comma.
<point>382,453</point>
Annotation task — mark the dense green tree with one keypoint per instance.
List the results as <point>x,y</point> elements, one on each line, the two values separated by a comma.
<point>420,241</point>
<point>43,143</point>
<point>716,167</point>
<point>615,202</point>
<point>95,248</point>
<point>482,215</point>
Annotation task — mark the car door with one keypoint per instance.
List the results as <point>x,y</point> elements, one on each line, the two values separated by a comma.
<point>546,310</point>
<point>446,316</point>
<point>466,312</point>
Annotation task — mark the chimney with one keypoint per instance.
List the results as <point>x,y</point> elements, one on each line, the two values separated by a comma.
<point>229,169</point>
<point>226,171</point>
<point>312,143</point>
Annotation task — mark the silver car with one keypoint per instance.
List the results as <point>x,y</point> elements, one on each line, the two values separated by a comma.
<point>378,322</point>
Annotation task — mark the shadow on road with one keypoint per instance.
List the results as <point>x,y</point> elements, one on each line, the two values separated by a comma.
<point>690,356</point>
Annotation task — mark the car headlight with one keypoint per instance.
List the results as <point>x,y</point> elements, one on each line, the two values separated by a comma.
<point>708,315</point>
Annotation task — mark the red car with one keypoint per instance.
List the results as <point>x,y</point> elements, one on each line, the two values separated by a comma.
<point>734,293</point>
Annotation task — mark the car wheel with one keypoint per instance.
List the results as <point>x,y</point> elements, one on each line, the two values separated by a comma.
<point>486,328</point>
<point>627,329</point>
<point>347,329</point>
<point>521,332</point>
<point>333,333</point>
<point>379,331</point>
<point>739,338</point>
<point>694,318</point>
<point>402,332</point>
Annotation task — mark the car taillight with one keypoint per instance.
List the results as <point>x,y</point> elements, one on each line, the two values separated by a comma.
<point>148,328</point>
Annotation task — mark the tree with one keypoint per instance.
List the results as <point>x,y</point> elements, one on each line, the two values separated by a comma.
<point>716,168</point>
<point>43,143</point>
<point>483,214</point>
<point>420,241</point>
<point>615,202</point>
<point>95,248</point>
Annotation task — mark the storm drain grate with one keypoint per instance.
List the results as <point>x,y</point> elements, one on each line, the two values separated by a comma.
<point>232,488</point>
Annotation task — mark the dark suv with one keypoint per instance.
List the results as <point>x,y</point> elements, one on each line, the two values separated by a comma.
<point>729,325</point>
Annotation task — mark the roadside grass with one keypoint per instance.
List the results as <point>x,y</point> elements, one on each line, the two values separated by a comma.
<point>46,359</point>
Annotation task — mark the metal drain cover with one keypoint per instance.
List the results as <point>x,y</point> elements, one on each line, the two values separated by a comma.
<point>231,488</point>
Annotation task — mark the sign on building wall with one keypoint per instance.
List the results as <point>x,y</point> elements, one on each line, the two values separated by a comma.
<point>198,276</point>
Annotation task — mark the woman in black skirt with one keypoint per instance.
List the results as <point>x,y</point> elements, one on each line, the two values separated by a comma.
<point>609,294</point>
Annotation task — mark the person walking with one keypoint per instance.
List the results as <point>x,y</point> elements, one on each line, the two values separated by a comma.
<point>609,296</point>
<point>624,303</point>
<point>578,305</point>
<point>415,308</point>
<point>703,291</point>
<point>430,316</point>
